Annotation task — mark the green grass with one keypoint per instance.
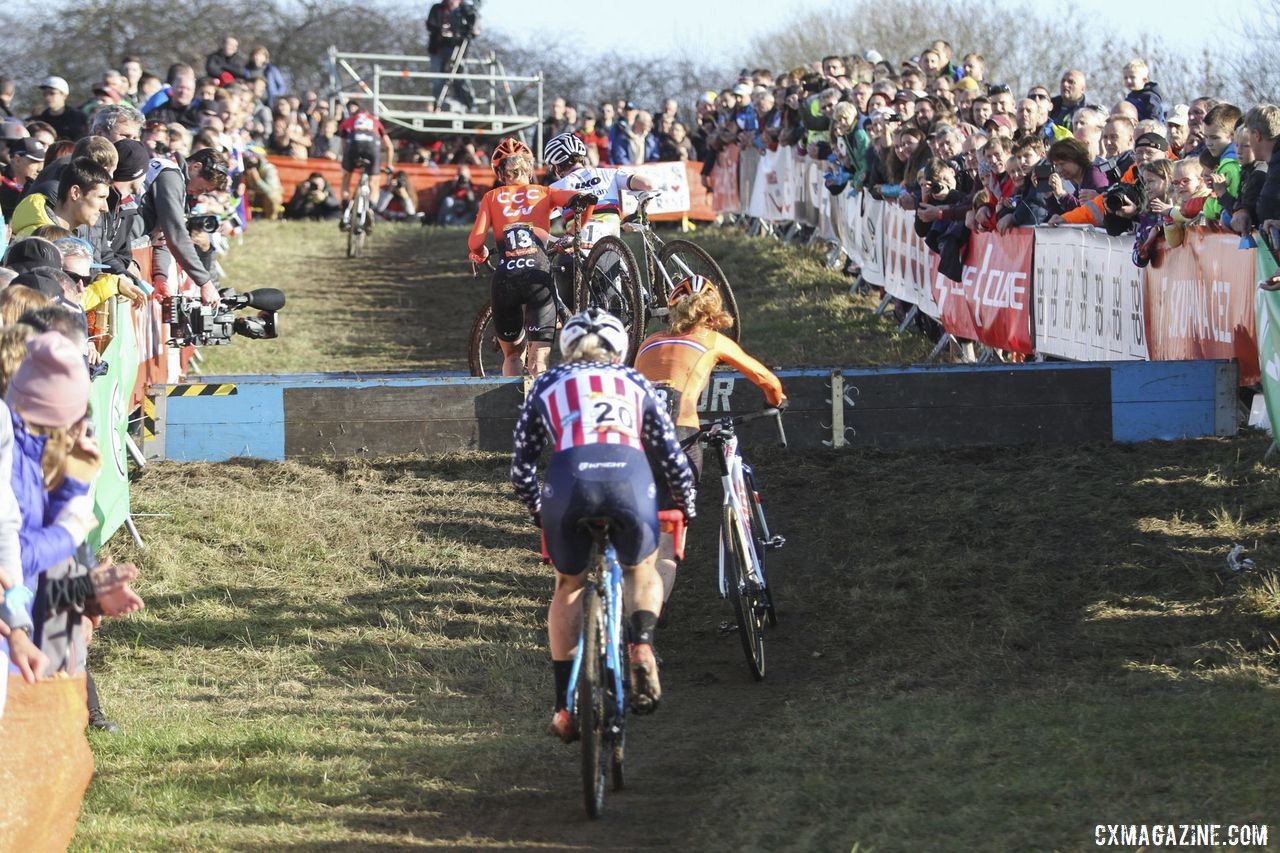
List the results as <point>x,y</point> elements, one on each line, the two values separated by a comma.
<point>351,655</point>
<point>410,305</point>
<point>979,649</point>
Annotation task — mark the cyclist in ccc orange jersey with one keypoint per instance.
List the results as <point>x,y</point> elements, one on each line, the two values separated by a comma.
<point>519,214</point>
<point>679,363</point>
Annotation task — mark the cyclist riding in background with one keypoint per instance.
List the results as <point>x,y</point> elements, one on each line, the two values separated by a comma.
<point>679,363</point>
<point>604,425</point>
<point>519,213</point>
<point>566,158</point>
<point>363,138</point>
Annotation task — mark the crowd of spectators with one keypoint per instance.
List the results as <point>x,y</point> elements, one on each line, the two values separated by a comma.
<point>170,164</point>
<point>965,153</point>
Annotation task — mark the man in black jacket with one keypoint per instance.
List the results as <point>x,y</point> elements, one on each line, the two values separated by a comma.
<point>449,24</point>
<point>113,234</point>
<point>66,122</point>
<point>181,106</point>
<point>226,61</point>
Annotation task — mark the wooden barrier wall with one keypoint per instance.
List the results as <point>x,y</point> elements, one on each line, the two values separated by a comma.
<point>311,415</point>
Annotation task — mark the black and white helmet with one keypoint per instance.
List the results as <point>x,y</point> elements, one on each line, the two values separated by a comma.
<point>605,326</point>
<point>563,148</point>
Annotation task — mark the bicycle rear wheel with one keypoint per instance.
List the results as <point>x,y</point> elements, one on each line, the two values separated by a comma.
<point>591,703</point>
<point>359,225</point>
<point>484,356</point>
<point>742,592</point>
<point>612,280</point>
<point>681,259</point>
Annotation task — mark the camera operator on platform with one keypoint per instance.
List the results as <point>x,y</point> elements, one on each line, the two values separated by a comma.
<point>171,186</point>
<point>450,24</point>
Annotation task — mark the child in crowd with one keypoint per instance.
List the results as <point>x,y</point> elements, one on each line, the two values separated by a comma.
<point>1030,208</point>
<point>1143,94</point>
<point>1189,196</point>
<point>1155,178</point>
<point>1219,141</point>
<point>998,185</point>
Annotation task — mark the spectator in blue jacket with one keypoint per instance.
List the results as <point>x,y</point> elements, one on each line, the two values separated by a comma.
<point>260,65</point>
<point>1143,93</point>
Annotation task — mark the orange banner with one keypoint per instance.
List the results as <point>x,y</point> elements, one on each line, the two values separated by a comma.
<point>1200,303</point>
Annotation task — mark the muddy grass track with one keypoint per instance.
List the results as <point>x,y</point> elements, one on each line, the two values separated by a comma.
<point>993,649</point>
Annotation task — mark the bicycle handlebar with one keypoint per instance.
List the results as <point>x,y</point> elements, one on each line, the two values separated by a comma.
<point>721,424</point>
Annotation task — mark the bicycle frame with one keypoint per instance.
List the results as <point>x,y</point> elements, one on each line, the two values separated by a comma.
<point>609,585</point>
<point>733,482</point>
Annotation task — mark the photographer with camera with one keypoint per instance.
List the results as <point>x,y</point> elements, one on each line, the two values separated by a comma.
<point>313,199</point>
<point>263,184</point>
<point>171,187</point>
<point>450,25</point>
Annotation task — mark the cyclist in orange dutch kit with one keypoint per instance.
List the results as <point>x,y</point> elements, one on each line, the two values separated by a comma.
<point>679,362</point>
<point>519,214</point>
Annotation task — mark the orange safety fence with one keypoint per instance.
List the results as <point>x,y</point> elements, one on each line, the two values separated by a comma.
<point>431,182</point>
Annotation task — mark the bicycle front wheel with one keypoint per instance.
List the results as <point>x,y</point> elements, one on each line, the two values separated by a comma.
<point>680,259</point>
<point>612,282</point>
<point>591,703</point>
<point>742,592</point>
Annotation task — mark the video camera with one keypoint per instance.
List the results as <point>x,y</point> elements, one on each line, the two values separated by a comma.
<point>203,222</point>
<point>192,323</point>
<point>470,14</point>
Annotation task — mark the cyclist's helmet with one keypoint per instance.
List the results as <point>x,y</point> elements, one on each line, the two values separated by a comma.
<point>563,148</point>
<point>508,147</point>
<point>598,322</point>
<point>691,286</point>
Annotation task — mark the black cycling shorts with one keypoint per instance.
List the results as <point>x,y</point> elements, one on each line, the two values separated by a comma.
<point>361,149</point>
<point>599,481</point>
<point>694,455</point>
<point>523,303</point>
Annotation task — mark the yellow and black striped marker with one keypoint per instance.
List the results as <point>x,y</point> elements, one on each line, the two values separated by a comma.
<point>201,390</point>
<point>148,419</point>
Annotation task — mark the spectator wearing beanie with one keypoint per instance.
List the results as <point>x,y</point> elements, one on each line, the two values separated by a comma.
<point>112,235</point>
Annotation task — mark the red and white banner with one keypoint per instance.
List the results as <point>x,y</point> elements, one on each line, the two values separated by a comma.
<point>1088,296</point>
<point>992,301</point>
<point>1200,303</point>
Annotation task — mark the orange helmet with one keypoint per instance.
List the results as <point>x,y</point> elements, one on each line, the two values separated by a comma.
<point>508,147</point>
<point>691,286</point>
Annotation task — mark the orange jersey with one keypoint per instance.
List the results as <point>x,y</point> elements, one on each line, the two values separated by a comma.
<point>526,205</point>
<point>683,363</point>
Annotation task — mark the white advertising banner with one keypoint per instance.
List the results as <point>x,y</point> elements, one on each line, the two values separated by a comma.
<point>773,195</point>
<point>671,174</point>
<point>907,261</point>
<point>1088,296</point>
